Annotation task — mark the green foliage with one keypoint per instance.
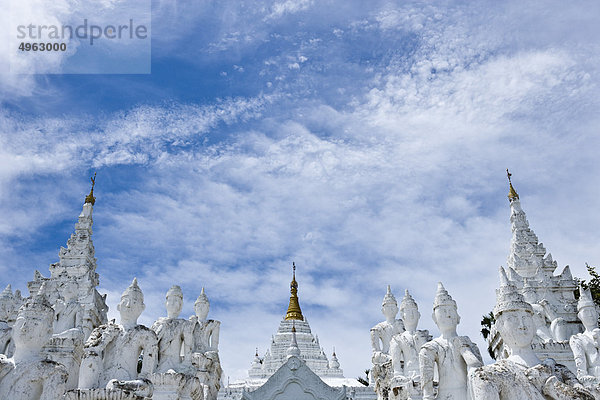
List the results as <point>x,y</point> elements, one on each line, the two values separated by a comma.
<point>593,284</point>
<point>487,322</point>
<point>365,380</point>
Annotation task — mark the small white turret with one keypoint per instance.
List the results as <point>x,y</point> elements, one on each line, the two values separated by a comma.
<point>293,350</point>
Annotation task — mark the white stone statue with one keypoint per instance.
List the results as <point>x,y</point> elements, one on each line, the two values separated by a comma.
<point>522,376</point>
<point>205,356</point>
<point>174,334</point>
<point>381,337</point>
<point>549,325</point>
<point>69,312</point>
<point>586,345</point>
<point>175,374</point>
<point>9,307</point>
<point>112,351</point>
<point>404,350</point>
<point>206,331</point>
<point>28,375</point>
<point>453,355</point>
<point>382,333</point>
<point>558,326</point>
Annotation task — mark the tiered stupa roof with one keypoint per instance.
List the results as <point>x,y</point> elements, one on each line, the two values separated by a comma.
<point>529,267</point>
<point>531,272</point>
<point>294,324</point>
<point>294,340</point>
<point>77,263</point>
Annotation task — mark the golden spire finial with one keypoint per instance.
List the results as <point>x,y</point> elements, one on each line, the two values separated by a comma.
<point>90,197</point>
<point>294,311</point>
<point>512,193</point>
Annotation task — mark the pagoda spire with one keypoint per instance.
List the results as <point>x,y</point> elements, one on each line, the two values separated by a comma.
<point>77,263</point>
<point>294,311</point>
<point>527,254</point>
<point>512,193</point>
<point>90,197</point>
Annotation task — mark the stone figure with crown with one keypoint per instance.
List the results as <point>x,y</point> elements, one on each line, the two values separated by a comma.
<point>522,376</point>
<point>586,345</point>
<point>175,374</point>
<point>381,338</point>
<point>66,344</point>
<point>453,355</point>
<point>28,374</point>
<point>9,307</point>
<point>69,312</point>
<point>205,350</point>
<point>113,352</point>
<point>404,350</point>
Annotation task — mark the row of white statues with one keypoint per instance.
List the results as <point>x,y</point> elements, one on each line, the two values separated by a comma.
<point>408,364</point>
<point>175,359</point>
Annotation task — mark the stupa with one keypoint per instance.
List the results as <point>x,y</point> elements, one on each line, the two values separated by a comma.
<point>294,380</point>
<point>294,325</point>
<point>77,263</point>
<point>531,271</point>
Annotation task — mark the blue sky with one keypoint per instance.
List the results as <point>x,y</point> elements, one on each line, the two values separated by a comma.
<point>367,142</point>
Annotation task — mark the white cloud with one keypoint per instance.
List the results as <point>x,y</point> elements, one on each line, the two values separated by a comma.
<point>281,8</point>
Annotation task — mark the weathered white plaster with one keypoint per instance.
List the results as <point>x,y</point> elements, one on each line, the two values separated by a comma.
<point>551,296</point>
<point>77,264</point>
<point>311,353</point>
<point>205,350</point>
<point>381,338</point>
<point>404,351</point>
<point>451,355</point>
<point>9,307</point>
<point>295,381</point>
<point>28,374</point>
<point>175,376</point>
<point>521,376</point>
<point>112,351</point>
<point>586,345</point>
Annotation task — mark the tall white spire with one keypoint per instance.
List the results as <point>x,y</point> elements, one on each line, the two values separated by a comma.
<point>77,262</point>
<point>530,274</point>
<point>78,259</point>
<point>527,255</point>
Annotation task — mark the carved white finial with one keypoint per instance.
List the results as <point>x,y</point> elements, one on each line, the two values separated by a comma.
<point>7,292</point>
<point>503,278</point>
<point>407,301</point>
<point>585,299</point>
<point>293,350</point>
<point>202,298</point>
<point>133,289</point>
<point>508,297</point>
<point>389,297</point>
<point>334,363</point>
<point>442,298</point>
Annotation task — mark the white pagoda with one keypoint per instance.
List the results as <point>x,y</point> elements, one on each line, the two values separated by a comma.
<point>311,351</point>
<point>77,263</point>
<point>551,296</point>
<point>294,327</point>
